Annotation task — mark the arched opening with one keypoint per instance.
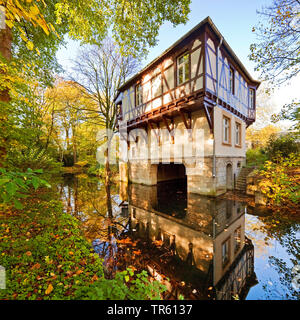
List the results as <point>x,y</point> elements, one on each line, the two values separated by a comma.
<point>172,189</point>
<point>170,172</point>
<point>229,177</point>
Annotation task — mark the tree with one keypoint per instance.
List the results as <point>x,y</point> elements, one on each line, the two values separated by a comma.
<point>133,24</point>
<point>260,137</point>
<point>68,104</point>
<point>264,107</point>
<point>100,71</point>
<point>281,146</point>
<point>277,52</point>
<point>290,111</point>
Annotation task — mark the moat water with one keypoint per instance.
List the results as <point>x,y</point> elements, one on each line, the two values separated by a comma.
<point>199,247</point>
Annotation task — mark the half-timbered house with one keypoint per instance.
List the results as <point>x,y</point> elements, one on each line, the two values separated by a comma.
<point>185,115</point>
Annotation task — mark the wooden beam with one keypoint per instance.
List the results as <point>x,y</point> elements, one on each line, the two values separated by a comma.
<point>168,127</point>
<point>155,132</point>
<point>187,122</point>
<point>208,117</point>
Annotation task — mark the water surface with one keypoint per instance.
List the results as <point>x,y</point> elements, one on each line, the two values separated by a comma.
<point>200,247</point>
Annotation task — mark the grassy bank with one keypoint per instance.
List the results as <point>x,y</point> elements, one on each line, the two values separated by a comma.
<point>47,257</point>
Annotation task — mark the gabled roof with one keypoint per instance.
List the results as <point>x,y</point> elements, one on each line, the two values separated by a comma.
<point>209,22</point>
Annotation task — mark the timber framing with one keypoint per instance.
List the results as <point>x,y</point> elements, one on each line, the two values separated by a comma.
<point>182,43</point>
<point>184,99</point>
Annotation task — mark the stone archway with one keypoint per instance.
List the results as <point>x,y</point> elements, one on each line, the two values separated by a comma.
<point>229,177</point>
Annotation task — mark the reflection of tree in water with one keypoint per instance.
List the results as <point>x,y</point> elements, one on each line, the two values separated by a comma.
<point>285,229</point>
<point>95,205</point>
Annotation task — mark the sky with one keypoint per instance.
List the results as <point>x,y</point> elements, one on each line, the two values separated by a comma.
<point>234,19</point>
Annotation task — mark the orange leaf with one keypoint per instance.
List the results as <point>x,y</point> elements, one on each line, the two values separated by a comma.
<point>49,289</point>
<point>95,278</point>
<point>79,272</point>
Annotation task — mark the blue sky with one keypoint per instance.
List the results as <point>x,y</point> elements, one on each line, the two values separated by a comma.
<point>234,19</point>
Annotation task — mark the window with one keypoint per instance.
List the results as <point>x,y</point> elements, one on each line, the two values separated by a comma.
<point>138,95</point>
<point>183,68</point>
<point>251,99</point>
<point>156,86</point>
<point>226,130</point>
<point>231,80</point>
<point>225,253</point>
<point>237,239</point>
<point>238,129</point>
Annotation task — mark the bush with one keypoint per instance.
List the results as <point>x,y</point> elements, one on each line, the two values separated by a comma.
<point>34,158</point>
<point>255,157</point>
<point>281,146</point>
<point>15,186</point>
<point>280,180</point>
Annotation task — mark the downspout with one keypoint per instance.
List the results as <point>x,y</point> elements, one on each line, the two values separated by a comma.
<point>217,101</point>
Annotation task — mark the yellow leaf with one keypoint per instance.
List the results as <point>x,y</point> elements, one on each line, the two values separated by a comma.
<point>9,23</point>
<point>49,289</point>
<point>34,10</point>
<point>29,45</point>
<point>23,37</point>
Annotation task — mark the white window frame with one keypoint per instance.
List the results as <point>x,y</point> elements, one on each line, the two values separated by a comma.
<point>184,65</point>
<point>238,134</point>
<point>226,127</point>
<point>225,257</point>
<point>138,94</point>
<point>237,238</point>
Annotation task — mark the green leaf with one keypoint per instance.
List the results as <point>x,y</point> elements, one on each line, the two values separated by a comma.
<point>35,182</point>
<point>11,188</point>
<point>18,204</point>
<point>3,181</point>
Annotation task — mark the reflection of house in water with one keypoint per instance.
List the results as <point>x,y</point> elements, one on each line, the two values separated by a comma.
<point>208,234</point>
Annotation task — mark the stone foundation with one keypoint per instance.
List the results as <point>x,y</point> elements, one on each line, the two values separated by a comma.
<point>200,178</point>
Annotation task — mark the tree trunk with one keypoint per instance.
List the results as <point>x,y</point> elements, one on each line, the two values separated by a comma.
<point>6,42</point>
<point>5,51</point>
<point>107,184</point>
<point>74,142</point>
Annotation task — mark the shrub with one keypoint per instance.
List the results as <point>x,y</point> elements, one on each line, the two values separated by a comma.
<point>281,146</point>
<point>34,158</point>
<point>15,186</point>
<point>280,180</point>
<point>255,157</point>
